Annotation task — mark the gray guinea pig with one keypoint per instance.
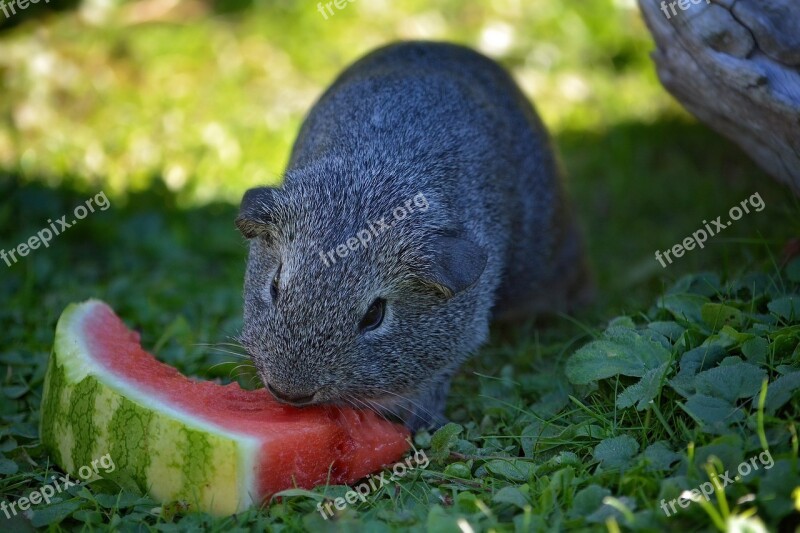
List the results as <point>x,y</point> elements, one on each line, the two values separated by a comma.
<point>422,200</point>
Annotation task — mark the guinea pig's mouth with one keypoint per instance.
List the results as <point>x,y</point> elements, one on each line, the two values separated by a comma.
<point>397,409</point>
<point>297,400</point>
<point>393,407</point>
<point>384,406</point>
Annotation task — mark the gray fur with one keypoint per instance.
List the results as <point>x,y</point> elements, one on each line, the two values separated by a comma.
<point>497,240</point>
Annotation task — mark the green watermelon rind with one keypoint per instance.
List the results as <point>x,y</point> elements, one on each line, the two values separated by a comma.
<point>171,454</point>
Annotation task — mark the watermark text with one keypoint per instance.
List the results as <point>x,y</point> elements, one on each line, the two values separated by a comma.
<point>21,4</point>
<point>326,9</point>
<point>373,483</point>
<point>717,483</point>
<point>699,237</point>
<point>59,484</point>
<point>44,236</point>
<point>365,236</point>
<point>683,4</point>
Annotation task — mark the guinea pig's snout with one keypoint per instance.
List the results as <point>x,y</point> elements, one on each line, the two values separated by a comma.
<point>290,398</point>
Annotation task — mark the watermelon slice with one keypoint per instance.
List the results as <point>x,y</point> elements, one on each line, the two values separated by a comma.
<point>217,448</point>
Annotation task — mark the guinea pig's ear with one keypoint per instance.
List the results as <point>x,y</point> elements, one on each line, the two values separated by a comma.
<point>255,213</point>
<point>456,264</point>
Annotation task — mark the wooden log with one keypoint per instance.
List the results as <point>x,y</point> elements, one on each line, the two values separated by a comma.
<point>735,65</point>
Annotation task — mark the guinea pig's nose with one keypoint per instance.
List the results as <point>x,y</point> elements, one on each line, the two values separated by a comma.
<point>294,399</point>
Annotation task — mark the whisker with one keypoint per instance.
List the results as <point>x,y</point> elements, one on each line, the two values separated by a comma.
<point>235,354</point>
<point>237,367</point>
<point>431,416</point>
<point>257,380</point>
<point>339,409</point>
<point>235,345</point>
<point>212,367</point>
<point>379,410</point>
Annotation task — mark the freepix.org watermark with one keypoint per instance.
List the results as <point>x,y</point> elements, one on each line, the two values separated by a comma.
<point>718,483</point>
<point>60,483</point>
<point>327,9</point>
<point>699,237</point>
<point>43,237</point>
<point>683,4</point>
<point>21,4</point>
<point>364,236</point>
<point>373,483</point>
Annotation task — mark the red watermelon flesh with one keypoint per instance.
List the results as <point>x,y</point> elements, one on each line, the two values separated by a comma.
<point>282,446</point>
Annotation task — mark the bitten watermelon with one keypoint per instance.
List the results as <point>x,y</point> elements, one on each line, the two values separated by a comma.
<point>218,448</point>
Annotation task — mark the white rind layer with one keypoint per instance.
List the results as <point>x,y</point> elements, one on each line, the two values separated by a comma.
<point>75,356</point>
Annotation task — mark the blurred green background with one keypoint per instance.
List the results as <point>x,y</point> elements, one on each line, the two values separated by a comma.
<point>203,100</point>
<point>209,103</point>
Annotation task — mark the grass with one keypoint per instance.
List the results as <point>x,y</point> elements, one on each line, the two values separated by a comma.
<point>175,116</point>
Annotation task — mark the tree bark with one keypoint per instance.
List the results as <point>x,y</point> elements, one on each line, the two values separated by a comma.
<point>735,65</point>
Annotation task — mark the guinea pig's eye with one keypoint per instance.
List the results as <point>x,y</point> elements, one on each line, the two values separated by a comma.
<point>374,315</point>
<point>273,288</point>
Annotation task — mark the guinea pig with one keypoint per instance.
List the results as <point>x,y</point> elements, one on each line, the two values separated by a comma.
<point>422,200</point>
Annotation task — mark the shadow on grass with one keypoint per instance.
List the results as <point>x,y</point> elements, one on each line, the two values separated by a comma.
<point>175,274</point>
<point>639,188</point>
